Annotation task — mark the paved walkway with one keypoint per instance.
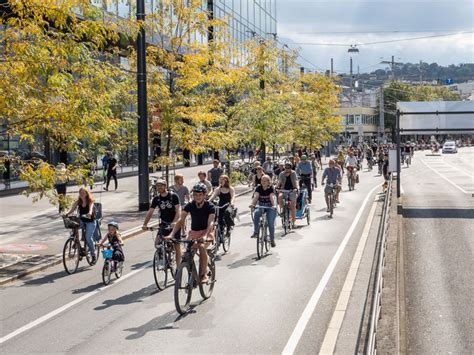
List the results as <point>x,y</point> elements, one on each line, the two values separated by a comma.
<point>32,233</point>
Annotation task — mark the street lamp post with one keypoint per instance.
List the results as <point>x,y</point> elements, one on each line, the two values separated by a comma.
<point>143,198</point>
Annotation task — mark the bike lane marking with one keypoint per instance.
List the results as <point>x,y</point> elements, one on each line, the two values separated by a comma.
<point>332,333</point>
<point>313,301</point>
<point>60,310</point>
<point>445,178</point>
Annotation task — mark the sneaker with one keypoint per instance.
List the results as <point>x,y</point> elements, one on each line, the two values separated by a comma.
<point>204,279</point>
<point>255,235</point>
<point>272,243</point>
<point>94,259</point>
<point>327,210</point>
<point>106,189</point>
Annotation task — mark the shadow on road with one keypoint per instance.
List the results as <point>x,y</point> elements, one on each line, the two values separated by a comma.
<point>134,297</point>
<point>462,213</point>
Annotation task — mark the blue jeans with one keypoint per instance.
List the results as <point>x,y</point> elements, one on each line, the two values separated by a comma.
<point>271,216</point>
<point>90,229</point>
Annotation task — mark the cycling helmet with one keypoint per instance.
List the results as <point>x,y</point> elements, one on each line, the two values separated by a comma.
<point>200,187</point>
<point>160,182</point>
<point>113,224</point>
<point>304,157</point>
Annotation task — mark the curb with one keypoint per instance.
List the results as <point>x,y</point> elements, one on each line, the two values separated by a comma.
<point>57,259</point>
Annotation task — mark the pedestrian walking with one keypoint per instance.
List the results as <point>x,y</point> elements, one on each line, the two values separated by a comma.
<point>105,161</point>
<point>61,185</point>
<point>181,190</point>
<point>112,166</point>
<point>6,172</point>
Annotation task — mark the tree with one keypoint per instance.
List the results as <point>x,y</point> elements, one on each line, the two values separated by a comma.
<point>60,87</point>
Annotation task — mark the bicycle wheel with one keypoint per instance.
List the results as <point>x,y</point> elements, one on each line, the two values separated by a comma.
<point>226,241</point>
<point>205,289</point>
<point>106,273</point>
<point>183,288</point>
<point>218,236</point>
<point>284,219</point>
<point>266,240</point>
<point>119,270</point>
<point>308,216</point>
<point>171,259</point>
<point>89,254</point>
<point>260,241</point>
<point>71,255</point>
<point>331,205</point>
<point>160,272</point>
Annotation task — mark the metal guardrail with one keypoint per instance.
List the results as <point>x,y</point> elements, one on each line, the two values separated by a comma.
<point>378,283</point>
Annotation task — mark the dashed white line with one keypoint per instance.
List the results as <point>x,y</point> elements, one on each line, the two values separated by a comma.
<point>313,301</point>
<point>67,306</point>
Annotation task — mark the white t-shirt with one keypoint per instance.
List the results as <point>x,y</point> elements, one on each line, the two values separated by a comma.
<point>351,161</point>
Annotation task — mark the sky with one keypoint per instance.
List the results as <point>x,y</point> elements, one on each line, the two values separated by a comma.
<point>347,22</point>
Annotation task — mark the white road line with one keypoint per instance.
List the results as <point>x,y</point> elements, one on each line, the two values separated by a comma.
<point>445,178</point>
<point>458,169</point>
<point>332,333</point>
<point>309,309</point>
<point>67,306</point>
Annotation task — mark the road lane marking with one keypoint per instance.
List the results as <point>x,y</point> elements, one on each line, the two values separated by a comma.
<point>445,178</point>
<point>59,310</point>
<point>458,169</point>
<point>312,303</point>
<point>332,333</point>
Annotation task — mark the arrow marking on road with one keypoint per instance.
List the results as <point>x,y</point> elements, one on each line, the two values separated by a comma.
<point>54,313</point>
<point>312,303</point>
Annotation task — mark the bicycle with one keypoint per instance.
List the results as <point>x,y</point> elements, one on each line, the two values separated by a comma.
<point>332,199</point>
<point>73,252</point>
<point>110,266</point>
<point>350,178</point>
<point>164,258</point>
<point>153,192</point>
<point>221,237</point>
<point>285,215</point>
<point>187,277</point>
<point>263,241</point>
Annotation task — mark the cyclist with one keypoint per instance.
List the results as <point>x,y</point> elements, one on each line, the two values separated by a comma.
<point>202,222</point>
<point>268,167</point>
<point>202,179</point>
<point>340,160</point>
<point>351,164</point>
<point>305,171</point>
<point>370,156</point>
<point>257,177</point>
<point>265,196</point>
<point>407,153</point>
<point>215,173</point>
<point>226,194</point>
<point>287,180</point>
<point>180,190</point>
<point>170,211</point>
<point>85,207</point>
<point>115,240</point>
<point>333,175</point>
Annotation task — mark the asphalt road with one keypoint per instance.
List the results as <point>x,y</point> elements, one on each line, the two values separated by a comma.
<point>255,306</point>
<point>439,246</point>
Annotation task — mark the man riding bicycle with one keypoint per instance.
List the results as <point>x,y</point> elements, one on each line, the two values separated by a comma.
<point>202,225</point>
<point>351,164</point>
<point>305,171</point>
<point>170,212</point>
<point>287,180</point>
<point>333,175</point>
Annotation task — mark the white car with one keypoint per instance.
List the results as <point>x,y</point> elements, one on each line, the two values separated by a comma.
<point>450,147</point>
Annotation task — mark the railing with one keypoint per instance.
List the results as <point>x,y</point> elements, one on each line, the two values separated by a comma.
<point>378,283</point>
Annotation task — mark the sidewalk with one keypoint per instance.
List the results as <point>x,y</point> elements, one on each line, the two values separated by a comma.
<point>32,235</point>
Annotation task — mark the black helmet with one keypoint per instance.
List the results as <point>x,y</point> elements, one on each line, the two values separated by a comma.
<point>200,187</point>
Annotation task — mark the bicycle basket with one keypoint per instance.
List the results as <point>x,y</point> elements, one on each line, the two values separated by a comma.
<point>107,253</point>
<point>71,222</point>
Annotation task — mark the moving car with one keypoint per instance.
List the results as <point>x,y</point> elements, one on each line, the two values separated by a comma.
<point>449,147</point>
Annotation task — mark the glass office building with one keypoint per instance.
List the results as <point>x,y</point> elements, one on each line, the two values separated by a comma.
<point>247,19</point>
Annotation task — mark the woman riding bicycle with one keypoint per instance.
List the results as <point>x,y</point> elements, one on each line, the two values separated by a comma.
<point>226,194</point>
<point>265,196</point>
<point>85,208</point>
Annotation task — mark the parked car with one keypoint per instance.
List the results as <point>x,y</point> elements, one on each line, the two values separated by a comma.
<point>449,147</point>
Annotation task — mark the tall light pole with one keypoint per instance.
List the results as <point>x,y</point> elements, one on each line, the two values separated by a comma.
<point>143,197</point>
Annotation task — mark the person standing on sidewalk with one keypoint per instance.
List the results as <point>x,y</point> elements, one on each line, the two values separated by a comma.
<point>61,185</point>
<point>215,173</point>
<point>85,208</point>
<point>105,161</point>
<point>112,166</point>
